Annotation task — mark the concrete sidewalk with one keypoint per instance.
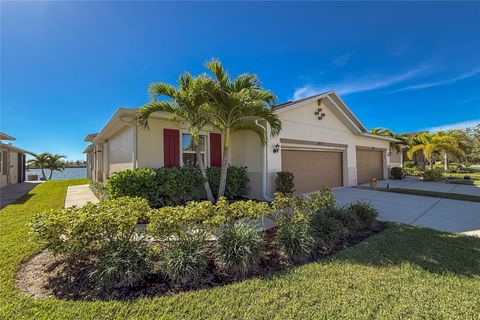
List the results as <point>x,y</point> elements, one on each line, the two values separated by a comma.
<point>436,213</point>
<point>418,184</point>
<point>79,196</point>
<point>13,192</point>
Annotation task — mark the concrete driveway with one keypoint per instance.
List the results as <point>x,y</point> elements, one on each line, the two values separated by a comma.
<point>418,184</point>
<point>440,214</point>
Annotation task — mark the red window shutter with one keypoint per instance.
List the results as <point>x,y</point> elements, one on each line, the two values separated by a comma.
<point>171,148</point>
<point>215,150</point>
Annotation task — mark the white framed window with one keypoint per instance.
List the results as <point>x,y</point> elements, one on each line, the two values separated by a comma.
<point>188,156</point>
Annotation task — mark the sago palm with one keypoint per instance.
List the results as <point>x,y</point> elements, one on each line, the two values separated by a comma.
<point>185,103</point>
<point>238,104</point>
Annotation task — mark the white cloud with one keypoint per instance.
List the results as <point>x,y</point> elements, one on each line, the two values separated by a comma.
<point>458,125</point>
<point>358,85</point>
<point>440,82</point>
<point>342,60</point>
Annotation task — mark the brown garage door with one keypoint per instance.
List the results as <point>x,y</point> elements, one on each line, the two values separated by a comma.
<point>369,165</point>
<point>313,169</point>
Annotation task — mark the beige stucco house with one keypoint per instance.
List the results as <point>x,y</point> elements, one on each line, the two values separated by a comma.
<point>322,143</point>
<point>12,162</point>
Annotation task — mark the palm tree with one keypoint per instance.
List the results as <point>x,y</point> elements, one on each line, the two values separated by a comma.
<point>39,161</point>
<point>55,164</point>
<point>186,103</point>
<point>389,133</point>
<point>449,143</point>
<point>235,105</point>
<point>432,144</point>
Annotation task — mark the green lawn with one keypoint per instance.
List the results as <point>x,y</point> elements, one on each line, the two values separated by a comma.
<point>473,176</point>
<point>402,273</point>
<point>435,194</point>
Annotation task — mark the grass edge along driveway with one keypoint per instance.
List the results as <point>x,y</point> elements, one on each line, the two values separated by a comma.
<point>404,272</point>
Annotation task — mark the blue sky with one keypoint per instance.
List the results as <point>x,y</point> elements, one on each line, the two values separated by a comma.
<point>67,66</point>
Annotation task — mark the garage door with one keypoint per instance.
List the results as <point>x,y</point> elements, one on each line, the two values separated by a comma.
<point>369,165</point>
<point>313,169</point>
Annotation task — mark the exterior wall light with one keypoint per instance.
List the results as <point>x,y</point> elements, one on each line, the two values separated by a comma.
<point>276,148</point>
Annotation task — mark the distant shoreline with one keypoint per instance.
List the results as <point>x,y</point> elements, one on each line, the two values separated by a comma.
<point>66,167</point>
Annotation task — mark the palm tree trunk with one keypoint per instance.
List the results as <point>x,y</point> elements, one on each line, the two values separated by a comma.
<point>201,166</point>
<point>223,172</point>
<point>50,176</point>
<point>445,160</point>
<point>43,173</point>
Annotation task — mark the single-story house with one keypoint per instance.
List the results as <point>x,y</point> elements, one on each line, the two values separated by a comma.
<point>321,142</point>
<point>12,162</point>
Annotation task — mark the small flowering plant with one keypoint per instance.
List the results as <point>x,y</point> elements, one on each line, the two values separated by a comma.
<point>373,182</point>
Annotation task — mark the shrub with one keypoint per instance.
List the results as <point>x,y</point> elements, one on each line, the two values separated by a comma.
<point>408,164</point>
<point>284,182</point>
<point>185,261</point>
<point>365,212</point>
<point>396,173</point>
<point>323,200</point>
<point>202,216</point>
<point>99,189</point>
<point>432,175</point>
<point>326,230</point>
<point>79,232</point>
<point>239,248</point>
<point>161,187</point>
<point>237,181</point>
<point>295,240</point>
<point>286,208</point>
<point>121,263</point>
<point>347,218</point>
<point>439,167</point>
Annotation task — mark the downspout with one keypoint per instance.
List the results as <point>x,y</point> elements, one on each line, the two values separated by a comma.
<point>135,139</point>
<point>264,166</point>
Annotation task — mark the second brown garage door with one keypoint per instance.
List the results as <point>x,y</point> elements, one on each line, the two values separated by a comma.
<point>369,165</point>
<point>313,169</point>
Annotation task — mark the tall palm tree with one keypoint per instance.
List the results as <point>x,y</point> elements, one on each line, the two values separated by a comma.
<point>186,103</point>
<point>423,142</point>
<point>39,161</point>
<point>235,105</point>
<point>54,163</point>
<point>389,133</point>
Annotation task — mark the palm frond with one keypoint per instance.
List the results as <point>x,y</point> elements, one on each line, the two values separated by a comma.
<point>158,89</point>
<point>144,112</point>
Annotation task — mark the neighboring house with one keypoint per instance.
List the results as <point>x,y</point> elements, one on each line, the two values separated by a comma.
<point>12,162</point>
<point>321,142</point>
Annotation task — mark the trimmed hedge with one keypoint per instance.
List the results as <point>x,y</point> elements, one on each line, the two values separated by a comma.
<point>174,186</point>
<point>284,182</point>
<point>237,181</point>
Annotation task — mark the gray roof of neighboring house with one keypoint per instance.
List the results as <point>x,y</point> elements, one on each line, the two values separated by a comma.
<point>13,148</point>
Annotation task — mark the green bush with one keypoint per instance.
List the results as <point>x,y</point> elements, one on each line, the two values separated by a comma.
<point>239,248</point>
<point>323,200</point>
<point>237,181</point>
<point>365,212</point>
<point>413,171</point>
<point>121,264</point>
<point>295,240</point>
<point>432,175</point>
<point>326,230</point>
<point>202,216</point>
<point>287,208</point>
<point>79,232</point>
<point>161,187</point>
<point>439,167</point>
<point>99,189</point>
<point>408,164</point>
<point>396,173</point>
<point>284,182</point>
<point>347,218</point>
<point>185,261</point>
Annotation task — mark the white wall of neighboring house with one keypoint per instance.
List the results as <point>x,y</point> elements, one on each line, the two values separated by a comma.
<point>13,176</point>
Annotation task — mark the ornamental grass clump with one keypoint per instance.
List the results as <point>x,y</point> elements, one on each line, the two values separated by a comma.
<point>347,218</point>
<point>295,240</point>
<point>325,230</point>
<point>121,264</point>
<point>240,247</point>
<point>365,212</point>
<point>185,260</point>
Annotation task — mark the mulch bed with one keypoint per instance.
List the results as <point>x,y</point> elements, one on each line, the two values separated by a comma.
<point>46,275</point>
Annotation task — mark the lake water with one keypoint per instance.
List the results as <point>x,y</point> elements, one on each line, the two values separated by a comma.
<point>68,173</point>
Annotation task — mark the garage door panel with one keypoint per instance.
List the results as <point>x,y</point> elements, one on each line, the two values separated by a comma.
<point>369,165</point>
<point>313,169</point>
